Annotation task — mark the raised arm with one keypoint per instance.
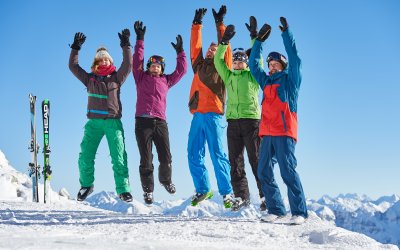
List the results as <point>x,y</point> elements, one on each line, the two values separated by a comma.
<point>219,22</point>
<point>253,30</point>
<point>294,64</point>
<point>254,62</point>
<point>126,65</point>
<point>196,46</point>
<point>138,54</point>
<point>219,60</point>
<point>181,64</point>
<point>74,66</point>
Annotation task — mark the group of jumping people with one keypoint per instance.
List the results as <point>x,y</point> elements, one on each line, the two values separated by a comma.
<point>269,135</point>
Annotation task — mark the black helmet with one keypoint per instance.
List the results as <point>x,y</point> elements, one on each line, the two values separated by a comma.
<point>276,56</point>
<point>156,59</point>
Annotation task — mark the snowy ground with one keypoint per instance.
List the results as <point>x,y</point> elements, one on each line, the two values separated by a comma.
<point>69,225</point>
<point>105,222</point>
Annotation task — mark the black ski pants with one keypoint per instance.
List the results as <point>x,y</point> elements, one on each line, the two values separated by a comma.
<point>147,131</point>
<point>243,133</point>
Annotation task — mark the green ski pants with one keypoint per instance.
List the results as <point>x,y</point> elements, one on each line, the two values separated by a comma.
<point>95,129</point>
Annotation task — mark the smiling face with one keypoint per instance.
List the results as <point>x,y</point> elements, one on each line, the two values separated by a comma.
<point>274,66</point>
<point>155,69</point>
<point>103,61</point>
<point>211,51</point>
<point>238,65</point>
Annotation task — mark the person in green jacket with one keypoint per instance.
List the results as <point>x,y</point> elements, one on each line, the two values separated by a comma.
<point>243,115</point>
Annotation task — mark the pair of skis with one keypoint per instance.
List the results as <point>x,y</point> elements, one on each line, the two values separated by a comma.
<point>34,168</point>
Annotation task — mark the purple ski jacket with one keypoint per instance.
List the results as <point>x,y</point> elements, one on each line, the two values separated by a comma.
<point>152,91</point>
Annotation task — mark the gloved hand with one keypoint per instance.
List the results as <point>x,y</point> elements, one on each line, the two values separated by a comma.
<point>229,33</point>
<point>79,39</point>
<point>140,30</point>
<point>219,17</point>
<point>198,15</point>
<point>179,44</point>
<point>252,27</point>
<point>284,24</point>
<point>264,32</point>
<point>124,37</point>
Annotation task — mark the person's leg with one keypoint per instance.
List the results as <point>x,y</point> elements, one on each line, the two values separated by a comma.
<point>144,135</point>
<point>252,143</point>
<point>161,141</point>
<point>265,171</point>
<point>116,143</point>
<point>91,139</point>
<point>196,153</point>
<point>285,148</point>
<point>236,160</point>
<point>214,134</point>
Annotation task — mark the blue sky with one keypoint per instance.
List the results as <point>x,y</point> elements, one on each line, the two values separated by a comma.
<point>348,105</point>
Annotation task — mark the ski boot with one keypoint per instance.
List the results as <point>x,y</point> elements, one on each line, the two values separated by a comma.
<point>148,198</point>
<point>170,188</point>
<point>228,200</point>
<point>84,192</point>
<point>127,197</point>
<point>198,197</point>
<point>238,203</point>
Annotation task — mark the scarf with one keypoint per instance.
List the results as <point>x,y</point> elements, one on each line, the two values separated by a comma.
<point>105,70</point>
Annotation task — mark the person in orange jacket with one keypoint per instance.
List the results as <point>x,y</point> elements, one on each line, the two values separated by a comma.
<point>207,101</point>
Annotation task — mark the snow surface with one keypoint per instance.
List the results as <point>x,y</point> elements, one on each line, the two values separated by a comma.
<point>105,222</point>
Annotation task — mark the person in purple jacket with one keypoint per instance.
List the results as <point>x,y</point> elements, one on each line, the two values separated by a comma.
<point>152,86</point>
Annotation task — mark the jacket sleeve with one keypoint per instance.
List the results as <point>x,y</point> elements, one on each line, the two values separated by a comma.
<point>220,65</point>
<point>138,61</point>
<point>196,46</point>
<point>261,57</point>
<point>180,70</point>
<point>80,73</point>
<point>126,65</point>
<point>254,64</point>
<point>294,64</point>
<point>228,54</point>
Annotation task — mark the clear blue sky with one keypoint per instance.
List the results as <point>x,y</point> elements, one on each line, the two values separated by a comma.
<point>348,105</point>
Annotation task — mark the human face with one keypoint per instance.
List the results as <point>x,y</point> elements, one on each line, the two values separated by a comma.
<point>211,51</point>
<point>155,69</point>
<point>238,65</point>
<point>104,62</point>
<point>274,66</point>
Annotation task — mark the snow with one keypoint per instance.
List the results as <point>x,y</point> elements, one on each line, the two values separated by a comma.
<point>105,222</point>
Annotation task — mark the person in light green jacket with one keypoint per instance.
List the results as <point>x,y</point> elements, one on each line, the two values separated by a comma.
<point>243,115</point>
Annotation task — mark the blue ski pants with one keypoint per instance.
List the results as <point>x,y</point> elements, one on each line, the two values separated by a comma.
<point>208,128</point>
<point>282,147</point>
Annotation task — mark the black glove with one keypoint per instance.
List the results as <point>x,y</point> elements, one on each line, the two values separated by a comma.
<point>284,24</point>
<point>198,15</point>
<point>264,32</point>
<point>219,17</point>
<point>229,33</point>
<point>179,44</point>
<point>140,30</point>
<point>79,39</point>
<point>252,27</point>
<point>124,37</point>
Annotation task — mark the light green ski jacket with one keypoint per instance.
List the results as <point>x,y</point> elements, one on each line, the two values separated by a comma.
<point>241,87</point>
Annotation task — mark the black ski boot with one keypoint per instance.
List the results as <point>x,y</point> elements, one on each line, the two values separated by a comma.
<point>170,188</point>
<point>148,198</point>
<point>127,197</point>
<point>263,205</point>
<point>84,192</point>
<point>238,203</point>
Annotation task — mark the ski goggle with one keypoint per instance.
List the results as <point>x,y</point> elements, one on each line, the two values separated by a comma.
<point>238,50</point>
<point>156,59</point>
